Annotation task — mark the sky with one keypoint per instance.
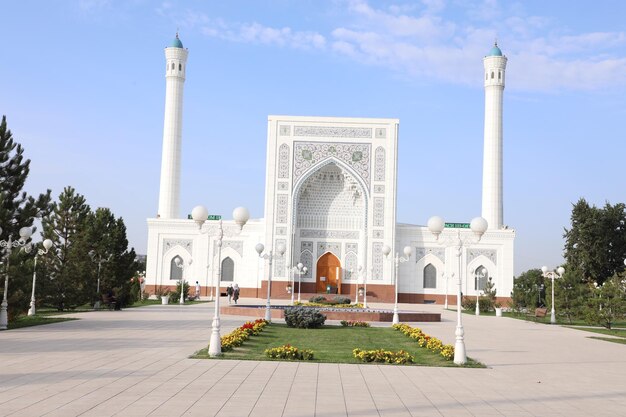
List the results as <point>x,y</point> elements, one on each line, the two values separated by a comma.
<point>83,87</point>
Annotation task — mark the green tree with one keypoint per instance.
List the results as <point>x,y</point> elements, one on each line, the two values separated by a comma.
<point>17,209</point>
<point>607,303</point>
<point>595,244</point>
<point>570,293</point>
<point>526,290</point>
<point>106,238</point>
<point>69,266</point>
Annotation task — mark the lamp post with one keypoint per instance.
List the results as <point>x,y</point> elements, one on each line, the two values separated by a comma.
<point>9,244</point>
<point>479,274</point>
<point>303,270</point>
<point>398,259</point>
<point>446,275</point>
<point>179,263</point>
<point>200,215</point>
<point>298,269</point>
<point>553,274</point>
<point>478,226</point>
<point>96,257</point>
<point>47,244</point>
<point>280,251</point>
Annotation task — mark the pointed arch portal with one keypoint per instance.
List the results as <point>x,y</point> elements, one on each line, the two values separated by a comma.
<point>328,272</point>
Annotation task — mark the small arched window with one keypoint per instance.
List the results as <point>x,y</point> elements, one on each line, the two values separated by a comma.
<point>176,272</point>
<point>430,276</point>
<point>180,67</point>
<point>174,67</point>
<point>492,75</point>
<point>481,276</point>
<point>499,75</point>
<point>228,269</point>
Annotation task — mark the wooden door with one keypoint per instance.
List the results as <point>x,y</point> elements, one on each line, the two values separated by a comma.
<point>328,272</point>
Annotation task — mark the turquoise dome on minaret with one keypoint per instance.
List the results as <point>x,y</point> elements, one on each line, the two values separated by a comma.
<point>176,43</point>
<point>495,51</point>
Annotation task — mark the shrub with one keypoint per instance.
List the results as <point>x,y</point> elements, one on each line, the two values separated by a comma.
<point>317,299</point>
<point>339,299</point>
<point>304,318</point>
<point>289,352</point>
<point>354,323</point>
<point>381,355</point>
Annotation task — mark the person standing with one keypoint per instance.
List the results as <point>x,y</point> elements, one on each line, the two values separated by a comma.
<point>236,292</point>
<point>197,290</point>
<point>229,292</point>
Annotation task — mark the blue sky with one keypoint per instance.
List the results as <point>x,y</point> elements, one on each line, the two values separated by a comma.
<point>83,87</point>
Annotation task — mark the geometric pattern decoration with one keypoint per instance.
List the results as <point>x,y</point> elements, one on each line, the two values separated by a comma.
<point>350,267</point>
<point>283,161</point>
<point>438,252</point>
<point>379,164</point>
<point>236,245</point>
<point>279,262</point>
<point>377,260</point>
<point>379,211</point>
<point>490,254</point>
<point>378,234</point>
<point>282,186</point>
<point>329,234</point>
<point>304,245</point>
<point>352,247</point>
<point>306,258</point>
<point>355,155</point>
<point>285,131</point>
<point>282,231</point>
<point>333,132</point>
<point>282,200</point>
<point>379,189</point>
<point>186,244</point>
<point>380,133</point>
<point>332,247</point>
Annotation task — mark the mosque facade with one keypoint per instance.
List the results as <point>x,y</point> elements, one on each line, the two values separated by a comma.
<point>330,206</point>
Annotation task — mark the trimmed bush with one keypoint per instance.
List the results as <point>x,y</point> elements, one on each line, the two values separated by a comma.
<point>317,299</point>
<point>289,352</point>
<point>354,323</point>
<point>341,300</point>
<point>304,318</point>
<point>381,355</point>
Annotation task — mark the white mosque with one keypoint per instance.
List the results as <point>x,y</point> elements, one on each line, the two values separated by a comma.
<point>330,202</point>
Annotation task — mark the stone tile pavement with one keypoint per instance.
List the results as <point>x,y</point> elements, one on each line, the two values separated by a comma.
<point>135,363</point>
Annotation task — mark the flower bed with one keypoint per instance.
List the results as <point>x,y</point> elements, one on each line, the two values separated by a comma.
<point>241,334</point>
<point>354,323</point>
<point>289,352</point>
<point>381,355</point>
<point>424,340</point>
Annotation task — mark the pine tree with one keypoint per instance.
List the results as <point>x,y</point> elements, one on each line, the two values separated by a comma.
<point>70,267</point>
<point>17,210</point>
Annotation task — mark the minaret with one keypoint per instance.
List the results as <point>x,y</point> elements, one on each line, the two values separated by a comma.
<point>175,67</point>
<point>495,65</point>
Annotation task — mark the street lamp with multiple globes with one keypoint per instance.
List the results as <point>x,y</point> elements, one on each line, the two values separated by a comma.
<point>397,260</point>
<point>200,215</point>
<point>478,226</point>
<point>47,244</point>
<point>9,244</point>
<point>480,273</point>
<point>552,274</point>
<point>280,252</point>
<point>303,270</point>
<point>96,257</point>
<point>297,269</point>
<point>179,263</point>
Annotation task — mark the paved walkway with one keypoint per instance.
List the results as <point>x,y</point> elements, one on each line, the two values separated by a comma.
<point>134,363</point>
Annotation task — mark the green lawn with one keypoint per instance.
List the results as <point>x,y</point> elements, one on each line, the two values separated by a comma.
<point>560,320</point>
<point>609,339</point>
<point>601,330</point>
<point>334,344</point>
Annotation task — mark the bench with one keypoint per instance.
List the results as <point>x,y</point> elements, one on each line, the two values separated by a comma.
<point>110,302</point>
<point>541,312</point>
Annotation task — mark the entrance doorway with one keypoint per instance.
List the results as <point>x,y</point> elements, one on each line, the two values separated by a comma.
<point>328,273</point>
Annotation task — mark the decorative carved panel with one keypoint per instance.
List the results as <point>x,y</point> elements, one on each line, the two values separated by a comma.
<point>329,234</point>
<point>306,246</point>
<point>333,247</point>
<point>438,252</point>
<point>236,245</point>
<point>377,260</point>
<point>281,231</point>
<point>379,189</point>
<point>380,133</point>
<point>350,267</point>
<point>379,164</point>
<point>284,130</point>
<point>352,247</point>
<point>186,244</point>
<point>279,262</point>
<point>283,161</point>
<point>282,201</point>
<point>490,254</point>
<point>333,132</point>
<point>307,260</point>
<point>378,234</point>
<point>282,186</point>
<point>355,155</point>
<point>379,211</point>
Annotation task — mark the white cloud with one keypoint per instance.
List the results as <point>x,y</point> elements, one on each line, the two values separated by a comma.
<point>418,40</point>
